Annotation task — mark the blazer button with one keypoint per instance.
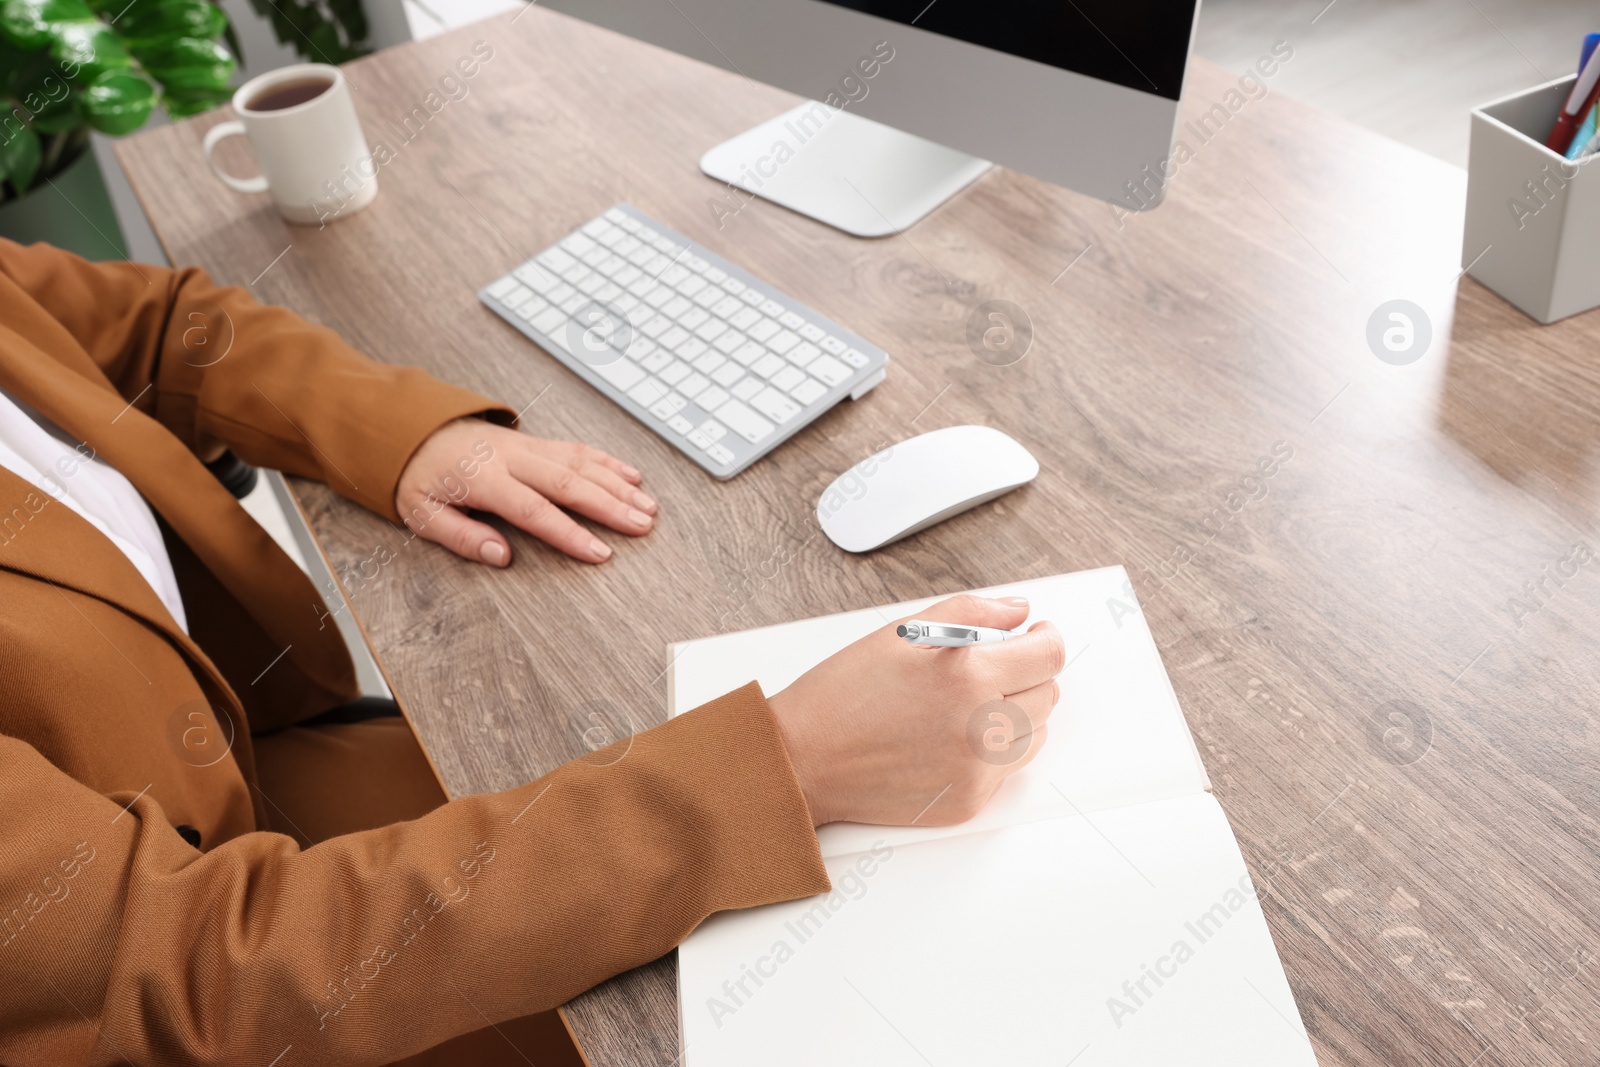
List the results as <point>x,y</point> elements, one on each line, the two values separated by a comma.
<point>190,834</point>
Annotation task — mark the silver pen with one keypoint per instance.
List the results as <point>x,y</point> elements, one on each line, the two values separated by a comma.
<point>951,634</point>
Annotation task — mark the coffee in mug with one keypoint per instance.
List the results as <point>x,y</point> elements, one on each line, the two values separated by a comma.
<point>314,158</point>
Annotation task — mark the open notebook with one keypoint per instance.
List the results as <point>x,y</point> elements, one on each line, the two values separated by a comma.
<point>1096,913</point>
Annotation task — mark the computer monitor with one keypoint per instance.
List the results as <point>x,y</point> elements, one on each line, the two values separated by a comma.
<point>918,96</point>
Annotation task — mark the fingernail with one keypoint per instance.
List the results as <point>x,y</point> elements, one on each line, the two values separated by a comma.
<point>600,548</point>
<point>644,502</point>
<point>492,553</point>
<point>639,518</point>
<point>1014,601</point>
<point>630,471</point>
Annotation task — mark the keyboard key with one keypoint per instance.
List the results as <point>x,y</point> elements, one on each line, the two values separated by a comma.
<point>713,429</point>
<point>733,285</point>
<point>576,273</point>
<point>709,329</point>
<point>744,422</point>
<point>712,398</point>
<point>708,296</point>
<point>648,392</point>
<point>596,256</point>
<point>530,307</point>
<point>691,319</point>
<point>729,340</point>
<point>658,297</point>
<point>625,302</point>
<point>691,349</point>
<point>556,259</point>
<point>675,274</point>
<point>775,406</point>
<point>726,306</point>
<point>812,332</point>
<point>791,320</point>
<point>767,365</point>
<point>645,233</point>
<point>763,330</point>
<point>656,264</point>
<point>620,373</point>
<point>549,322</point>
<point>674,373</point>
<point>700,440</point>
<point>606,293</point>
<point>559,292</point>
<point>618,216</point>
<point>803,353</point>
<point>692,385</point>
<point>642,285</point>
<point>691,285</point>
<point>747,388</point>
<point>640,349</point>
<point>536,278</point>
<point>626,247</point>
<point>726,374</point>
<point>721,455</point>
<point>709,362</point>
<point>787,378</point>
<point>680,424</point>
<point>832,345</point>
<point>830,370</point>
<point>674,308</point>
<point>502,287</point>
<point>747,353</point>
<point>696,264</point>
<point>668,406</point>
<point>516,296</point>
<point>713,274</point>
<point>628,222</point>
<point>772,308</point>
<point>666,245</point>
<point>656,360</point>
<point>751,297</point>
<point>855,358</point>
<point>673,337</point>
<point>626,276</point>
<point>656,327</point>
<point>575,303</point>
<point>783,342</point>
<point>809,391</point>
<point>744,318</point>
<point>640,257</point>
<point>592,284</point>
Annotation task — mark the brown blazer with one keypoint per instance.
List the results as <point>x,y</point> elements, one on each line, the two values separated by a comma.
<point>119,941</point>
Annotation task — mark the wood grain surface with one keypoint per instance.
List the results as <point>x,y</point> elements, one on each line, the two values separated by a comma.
<point>1390,673</point>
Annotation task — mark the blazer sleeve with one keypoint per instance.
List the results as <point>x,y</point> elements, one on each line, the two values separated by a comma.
<point>216,367</point>
<point>122,943</point>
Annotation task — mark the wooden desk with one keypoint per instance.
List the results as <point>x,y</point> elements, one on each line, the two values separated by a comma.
<point>1444,910</point>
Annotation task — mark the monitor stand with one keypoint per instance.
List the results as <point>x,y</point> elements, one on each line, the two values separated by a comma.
<point>860,176</point>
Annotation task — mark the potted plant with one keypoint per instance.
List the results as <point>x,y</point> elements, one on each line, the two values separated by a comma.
<point>68,67</point>
<point>320,31</point>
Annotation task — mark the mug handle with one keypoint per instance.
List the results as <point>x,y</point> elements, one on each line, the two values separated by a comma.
<point>214,136</point>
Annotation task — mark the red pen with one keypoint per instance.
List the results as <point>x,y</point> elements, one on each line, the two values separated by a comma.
<point>1585,91</point>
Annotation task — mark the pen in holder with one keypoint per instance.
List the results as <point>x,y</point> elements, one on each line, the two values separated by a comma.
<point>1533,217</point>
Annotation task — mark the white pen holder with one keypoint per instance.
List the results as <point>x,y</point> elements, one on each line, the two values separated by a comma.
<point>1533,217</point>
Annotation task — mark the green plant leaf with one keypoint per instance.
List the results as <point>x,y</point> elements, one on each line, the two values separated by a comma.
<point>58,117</point>
<point>189,63</point>
<point>185,102</point>
<point>19,157</point>
<point>117,102</point>
<point>155,22</point>
<point>29,24</point>
<point>88,49</point>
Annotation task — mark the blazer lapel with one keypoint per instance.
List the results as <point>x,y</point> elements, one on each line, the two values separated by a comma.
<point>224,537</point>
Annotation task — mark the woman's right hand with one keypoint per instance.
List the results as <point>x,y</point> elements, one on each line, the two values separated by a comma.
<point>889,732</point>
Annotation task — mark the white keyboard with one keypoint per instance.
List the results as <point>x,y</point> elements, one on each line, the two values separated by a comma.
<point>718,363</point>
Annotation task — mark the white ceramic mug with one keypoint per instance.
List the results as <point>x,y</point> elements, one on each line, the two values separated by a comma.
<point>314,158</point>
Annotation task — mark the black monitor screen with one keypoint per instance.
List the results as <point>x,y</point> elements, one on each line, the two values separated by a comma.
<point>1138,43</point>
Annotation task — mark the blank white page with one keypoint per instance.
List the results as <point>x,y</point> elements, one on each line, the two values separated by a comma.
<point>1126,938</point>
<point>1117,736</point>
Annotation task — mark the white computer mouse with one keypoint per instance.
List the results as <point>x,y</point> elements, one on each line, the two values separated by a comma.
<point>921,481</point>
